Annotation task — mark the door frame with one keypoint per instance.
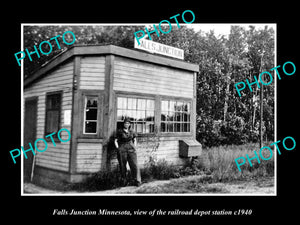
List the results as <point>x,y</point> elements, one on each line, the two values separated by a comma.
<point>30,160</point>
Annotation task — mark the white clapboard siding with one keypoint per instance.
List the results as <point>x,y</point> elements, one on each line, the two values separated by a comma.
<point>150,78</point>
<point>60,79</point>
<point>92,72</point>
<point>89,156</point>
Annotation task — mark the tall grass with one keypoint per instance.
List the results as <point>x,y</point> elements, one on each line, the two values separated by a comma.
<point>220,162</point>
<point>215,164</point>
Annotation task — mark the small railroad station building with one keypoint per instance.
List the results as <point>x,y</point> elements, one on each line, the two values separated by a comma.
<point>89,90</point>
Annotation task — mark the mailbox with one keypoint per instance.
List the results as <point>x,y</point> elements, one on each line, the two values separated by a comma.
<point>189,148</point>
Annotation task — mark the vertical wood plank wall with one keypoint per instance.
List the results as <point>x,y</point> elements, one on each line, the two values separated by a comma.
<point>60,79</point>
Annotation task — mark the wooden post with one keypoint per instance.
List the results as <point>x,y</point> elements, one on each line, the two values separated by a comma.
<point>75,115</point>
<point>108,120</point>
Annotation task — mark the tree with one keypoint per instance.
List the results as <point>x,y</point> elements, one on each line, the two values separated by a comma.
<point>222,116</point>
<point>85,35</point>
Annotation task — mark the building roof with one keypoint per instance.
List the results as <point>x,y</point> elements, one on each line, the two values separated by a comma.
<point>113,50</point>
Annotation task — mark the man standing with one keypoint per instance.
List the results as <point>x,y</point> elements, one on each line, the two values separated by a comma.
<point>125,142</point>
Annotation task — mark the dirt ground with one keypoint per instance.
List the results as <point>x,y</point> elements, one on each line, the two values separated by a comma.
<point>184,185</point>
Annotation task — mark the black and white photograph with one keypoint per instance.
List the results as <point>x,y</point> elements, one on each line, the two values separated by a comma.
<point>177,113</point>
<point>146,114</point>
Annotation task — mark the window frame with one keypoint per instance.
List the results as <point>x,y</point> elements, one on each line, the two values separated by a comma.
<point>82,114</point>
<point>185,100</point>
<point>157,112</point>
<point>48,94</point>
<point>136,96</point>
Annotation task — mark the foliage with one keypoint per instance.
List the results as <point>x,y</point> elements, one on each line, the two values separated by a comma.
<point>223,61</point>
<point>220,161</point>
<point>216,164</point>
<point>160,170</point>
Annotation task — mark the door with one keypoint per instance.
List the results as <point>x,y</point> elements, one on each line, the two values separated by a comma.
<point>30,120</point>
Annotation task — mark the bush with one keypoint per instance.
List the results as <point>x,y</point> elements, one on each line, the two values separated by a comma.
<point>234,131</point>
<point>208,133</point>
<point>160,170</point>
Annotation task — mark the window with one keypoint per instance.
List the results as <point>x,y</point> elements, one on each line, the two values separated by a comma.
<point>90,122</point>
<point>139,110</point>
<point>175,116</point>
<point>53,106</point>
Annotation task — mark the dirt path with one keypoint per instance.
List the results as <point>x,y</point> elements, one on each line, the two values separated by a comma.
<point>185,185</point>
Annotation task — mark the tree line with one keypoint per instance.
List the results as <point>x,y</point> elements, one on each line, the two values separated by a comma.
<point>222,116</point>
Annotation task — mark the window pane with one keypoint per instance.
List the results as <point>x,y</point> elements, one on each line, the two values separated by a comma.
<point>178,127</point>
<point>150,116</point>
<point>131,114</point>
<point>186,117</point>
<point>91,111</point>
<point>141,115</point>
<point>91,114</point>
<point>164,106</point>
<point>91,102</point>
<point>53,101</point>
<point>149,127</point>
<point>170,127</point>
<point>163,127</point>
<point>120,116</point>
<point>163,116</point>
<point>139,127</point>
<point>141,104</point>
<point>186,107</point>
<point>172,106</point>
<point>150,104</point>
<point>122,103</point>
<point>131,103</point>
<point>178,116</point>
<point>52,123</point>
<point>90,127</point>
<point>171,116</point>
<point>138,110</point>
<point>179,106</point>
<point>186,127</point>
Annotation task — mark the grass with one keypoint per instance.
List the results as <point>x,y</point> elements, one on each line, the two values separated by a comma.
<point>220,161</point>
<point>198,185</point>
<point>215,165</point>
<point>191,184</point>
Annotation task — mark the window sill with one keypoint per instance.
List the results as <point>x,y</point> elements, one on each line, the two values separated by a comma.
<point>177,134</point>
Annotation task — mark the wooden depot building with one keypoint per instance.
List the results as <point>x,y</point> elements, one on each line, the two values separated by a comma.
<point>90,90</point>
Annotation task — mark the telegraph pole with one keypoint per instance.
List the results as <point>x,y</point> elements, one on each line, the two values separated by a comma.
<point>261,102</point>
<point>261,116</point>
